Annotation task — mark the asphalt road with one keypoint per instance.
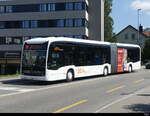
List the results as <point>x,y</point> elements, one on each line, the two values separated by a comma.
<point>89,95</point>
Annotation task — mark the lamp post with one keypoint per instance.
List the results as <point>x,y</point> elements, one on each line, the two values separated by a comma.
<point>138,11</point>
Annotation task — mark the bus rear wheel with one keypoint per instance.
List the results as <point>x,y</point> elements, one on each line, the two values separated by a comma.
<point>69,76</point>
<point>105,71</point>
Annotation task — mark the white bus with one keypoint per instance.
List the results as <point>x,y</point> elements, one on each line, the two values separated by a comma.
<point>58,58</point>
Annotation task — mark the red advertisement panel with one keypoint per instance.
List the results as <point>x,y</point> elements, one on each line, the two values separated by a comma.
<point>120,59</point>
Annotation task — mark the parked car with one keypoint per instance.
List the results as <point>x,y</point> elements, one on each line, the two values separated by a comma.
<point>147,65</point>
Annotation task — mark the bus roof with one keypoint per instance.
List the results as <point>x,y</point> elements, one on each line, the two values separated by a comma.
<point>67,39</point>
<point>127,45</point>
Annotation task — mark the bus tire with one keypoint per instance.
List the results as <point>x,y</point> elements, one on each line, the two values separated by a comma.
<point>70,76</point>
<point>130,69</point>
<point>105,71</point>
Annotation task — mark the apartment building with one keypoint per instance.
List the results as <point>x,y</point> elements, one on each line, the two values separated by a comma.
<point>24,19</point>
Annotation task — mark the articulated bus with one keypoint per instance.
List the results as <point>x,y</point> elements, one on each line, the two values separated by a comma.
<point>59,58</point>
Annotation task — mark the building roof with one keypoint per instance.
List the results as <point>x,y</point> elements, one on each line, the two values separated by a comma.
<point>147,30</point>
<point>130,26</point>
<point>147,34</point>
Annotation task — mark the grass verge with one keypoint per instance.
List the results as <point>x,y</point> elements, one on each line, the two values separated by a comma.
<point>9,76</point>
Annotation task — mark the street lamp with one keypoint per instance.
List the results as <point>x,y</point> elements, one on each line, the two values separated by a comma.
<point>138,11</point>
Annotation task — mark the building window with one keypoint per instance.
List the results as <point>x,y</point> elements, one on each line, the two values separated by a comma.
<point>8,40</point>
<point>13,24</point>
<point>78,23</point>
<point>9,9</point>
<point>43,23</point>
<point>51,7</point>
<point>34,24</point>
<point>2,24</point>
<point>26,8</point>
<point>60,6</point>
<point>69,23</point>
<point>69,6</point>
<point>14,40</point>
<point>78,6</point>
<point>2,9</point>
<point>133,36</point>
<point>2,40</point>
<point>17,40</point>
<point>126,36</point>
<point>43,7</point>
<point>60,23</point>
<point>26,24</point>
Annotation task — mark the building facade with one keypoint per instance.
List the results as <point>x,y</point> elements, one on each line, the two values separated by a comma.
<point>24,19</point>
<point>132,36</point>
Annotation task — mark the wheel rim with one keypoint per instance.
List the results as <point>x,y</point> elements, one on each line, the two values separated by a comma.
<point>105,72</point>
<point>130,69</point>
<point>69,76</point>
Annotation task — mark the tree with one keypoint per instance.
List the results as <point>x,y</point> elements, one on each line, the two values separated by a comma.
<point>146,51</point>
<point>108,25</point>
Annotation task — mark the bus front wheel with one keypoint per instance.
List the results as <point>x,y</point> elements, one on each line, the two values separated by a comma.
<point>130,69</point>
<point>70,76</point>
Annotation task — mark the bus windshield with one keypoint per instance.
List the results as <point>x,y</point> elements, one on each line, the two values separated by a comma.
<point>34,59</point>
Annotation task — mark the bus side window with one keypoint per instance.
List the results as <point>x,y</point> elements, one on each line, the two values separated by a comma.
<point>133,54</point>
<point>97,56</point>
<point>80,55</point>
<point>68,54</point>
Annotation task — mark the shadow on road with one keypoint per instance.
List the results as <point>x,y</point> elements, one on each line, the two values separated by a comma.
<point>29,82</point>
<point>143,94</point>
<point>139,108</point>
<point>39,83</point>
<point>44,83</point>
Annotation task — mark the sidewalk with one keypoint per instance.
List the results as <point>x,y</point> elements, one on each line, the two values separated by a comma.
<point>136,103</point>
<point>9,77</point>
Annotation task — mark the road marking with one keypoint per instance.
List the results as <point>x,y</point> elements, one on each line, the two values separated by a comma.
<point>138,81</point>
<point>115,89</point>
<point>15,89</point>
<point>121,99</point>
<point>70,106</point>
<point>54,86</point>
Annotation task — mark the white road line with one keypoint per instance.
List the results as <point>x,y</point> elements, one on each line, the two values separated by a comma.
<point>21,91</point>
<point>15,89</point>
<point>8,88</point>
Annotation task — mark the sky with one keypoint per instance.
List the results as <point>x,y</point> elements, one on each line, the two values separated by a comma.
<point>124,13</point>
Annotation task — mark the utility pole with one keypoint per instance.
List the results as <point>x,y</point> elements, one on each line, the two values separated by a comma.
<point>138,13</point>
<point>102,20</point>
